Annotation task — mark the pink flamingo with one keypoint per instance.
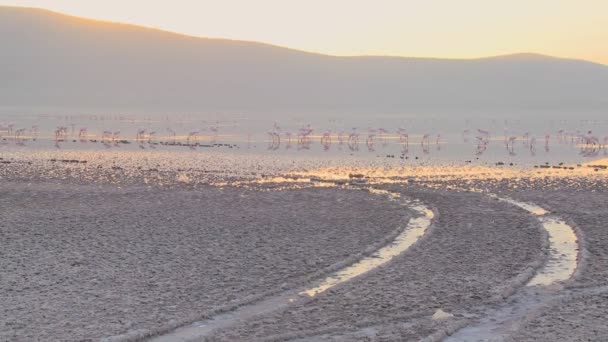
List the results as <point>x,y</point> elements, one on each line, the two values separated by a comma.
<point>532,145</point>
<point>106,137</point>
<point>140,136</point>
<point>275,138</point>
<point>382,132</point>
<point>288,136</point>
<point>592,145</point>
<point>403,139</point>
<point>353,140</point>
<point>341,138</point>
<point>403,136</point>
<point>192,136</point>
<point>483,137</point>
<point>425,143</point>
<point>425,139</point>
<point>82,135</point>
<point>19,137</point>
<point>3,129</point>
<point>215,131</point>
<point>326,140</point>
<point>370,140</point>
<point>526,138</point>
<point>561,136</point>
<point>61,133</point>
<point>510,145</point>
<point>34,132</point>
<point>151,136</point>
<point>304,137</point>
<point>115,137</point>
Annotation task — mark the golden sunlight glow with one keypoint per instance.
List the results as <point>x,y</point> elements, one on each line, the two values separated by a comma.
<point>416,28</point>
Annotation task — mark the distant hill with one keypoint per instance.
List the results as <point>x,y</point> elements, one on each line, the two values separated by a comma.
<point>50,59</point>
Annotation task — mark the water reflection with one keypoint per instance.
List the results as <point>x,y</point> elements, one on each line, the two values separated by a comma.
<point>563,246</point>
<point>416,227</point>
<point>564,251</point>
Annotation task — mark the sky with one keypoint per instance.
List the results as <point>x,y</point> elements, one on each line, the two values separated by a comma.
<point>413,28</point>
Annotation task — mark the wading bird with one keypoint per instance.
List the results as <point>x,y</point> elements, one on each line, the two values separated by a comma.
<point>82,135</point>
<point>353,140</point>
<point>326,140</point>
<point>304,137</point>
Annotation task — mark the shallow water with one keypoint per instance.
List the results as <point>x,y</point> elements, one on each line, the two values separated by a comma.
<point>414,230</point>
<point>243,134</point>
<point>563,246</point>
<point>530,207</point>
<point>563,255</point>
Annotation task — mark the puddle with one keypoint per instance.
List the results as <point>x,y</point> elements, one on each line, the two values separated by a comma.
<point>529,207</point>
<point>563,246</point>
<point>564,253</point>
<point>415,229</point>
<point>562,262</point>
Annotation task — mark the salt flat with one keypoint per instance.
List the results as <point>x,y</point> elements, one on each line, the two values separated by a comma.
<point>129,253</point>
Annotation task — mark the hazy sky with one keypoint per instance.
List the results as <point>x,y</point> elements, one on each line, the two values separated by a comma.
<point>423,28</point>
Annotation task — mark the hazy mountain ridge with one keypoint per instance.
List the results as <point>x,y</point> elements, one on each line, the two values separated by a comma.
<point>48,59</point>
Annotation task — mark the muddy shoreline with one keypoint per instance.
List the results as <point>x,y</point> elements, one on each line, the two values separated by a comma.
<point>89,260</point>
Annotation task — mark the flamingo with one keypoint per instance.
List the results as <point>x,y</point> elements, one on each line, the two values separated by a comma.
<point>425,139</point>
<point>215,131</point>
<point>61,133</point>
<point>82,135</point>
<point>275,137</point>
<point>341,138</point>
<point>326,140</point>
<point>510,145</point>
<point>353,140</point>
<point>192,136</point>
<point>370,140</point>
<point>115,137</point>
<point>403,139</point>
<point>526,138</point>
<point>151,136</point>
<point>304,137</point>
<point>106,137</point>
<point>382,135</point>
<point>288,136</point>
<point>561,136</point>
<point>592,145</point>
<point>33,132</point>
<point>483,137</point>
<point>140,136</point>
<point>18,137</point>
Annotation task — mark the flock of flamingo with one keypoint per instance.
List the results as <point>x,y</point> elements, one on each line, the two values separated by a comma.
<point>589,143</point>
